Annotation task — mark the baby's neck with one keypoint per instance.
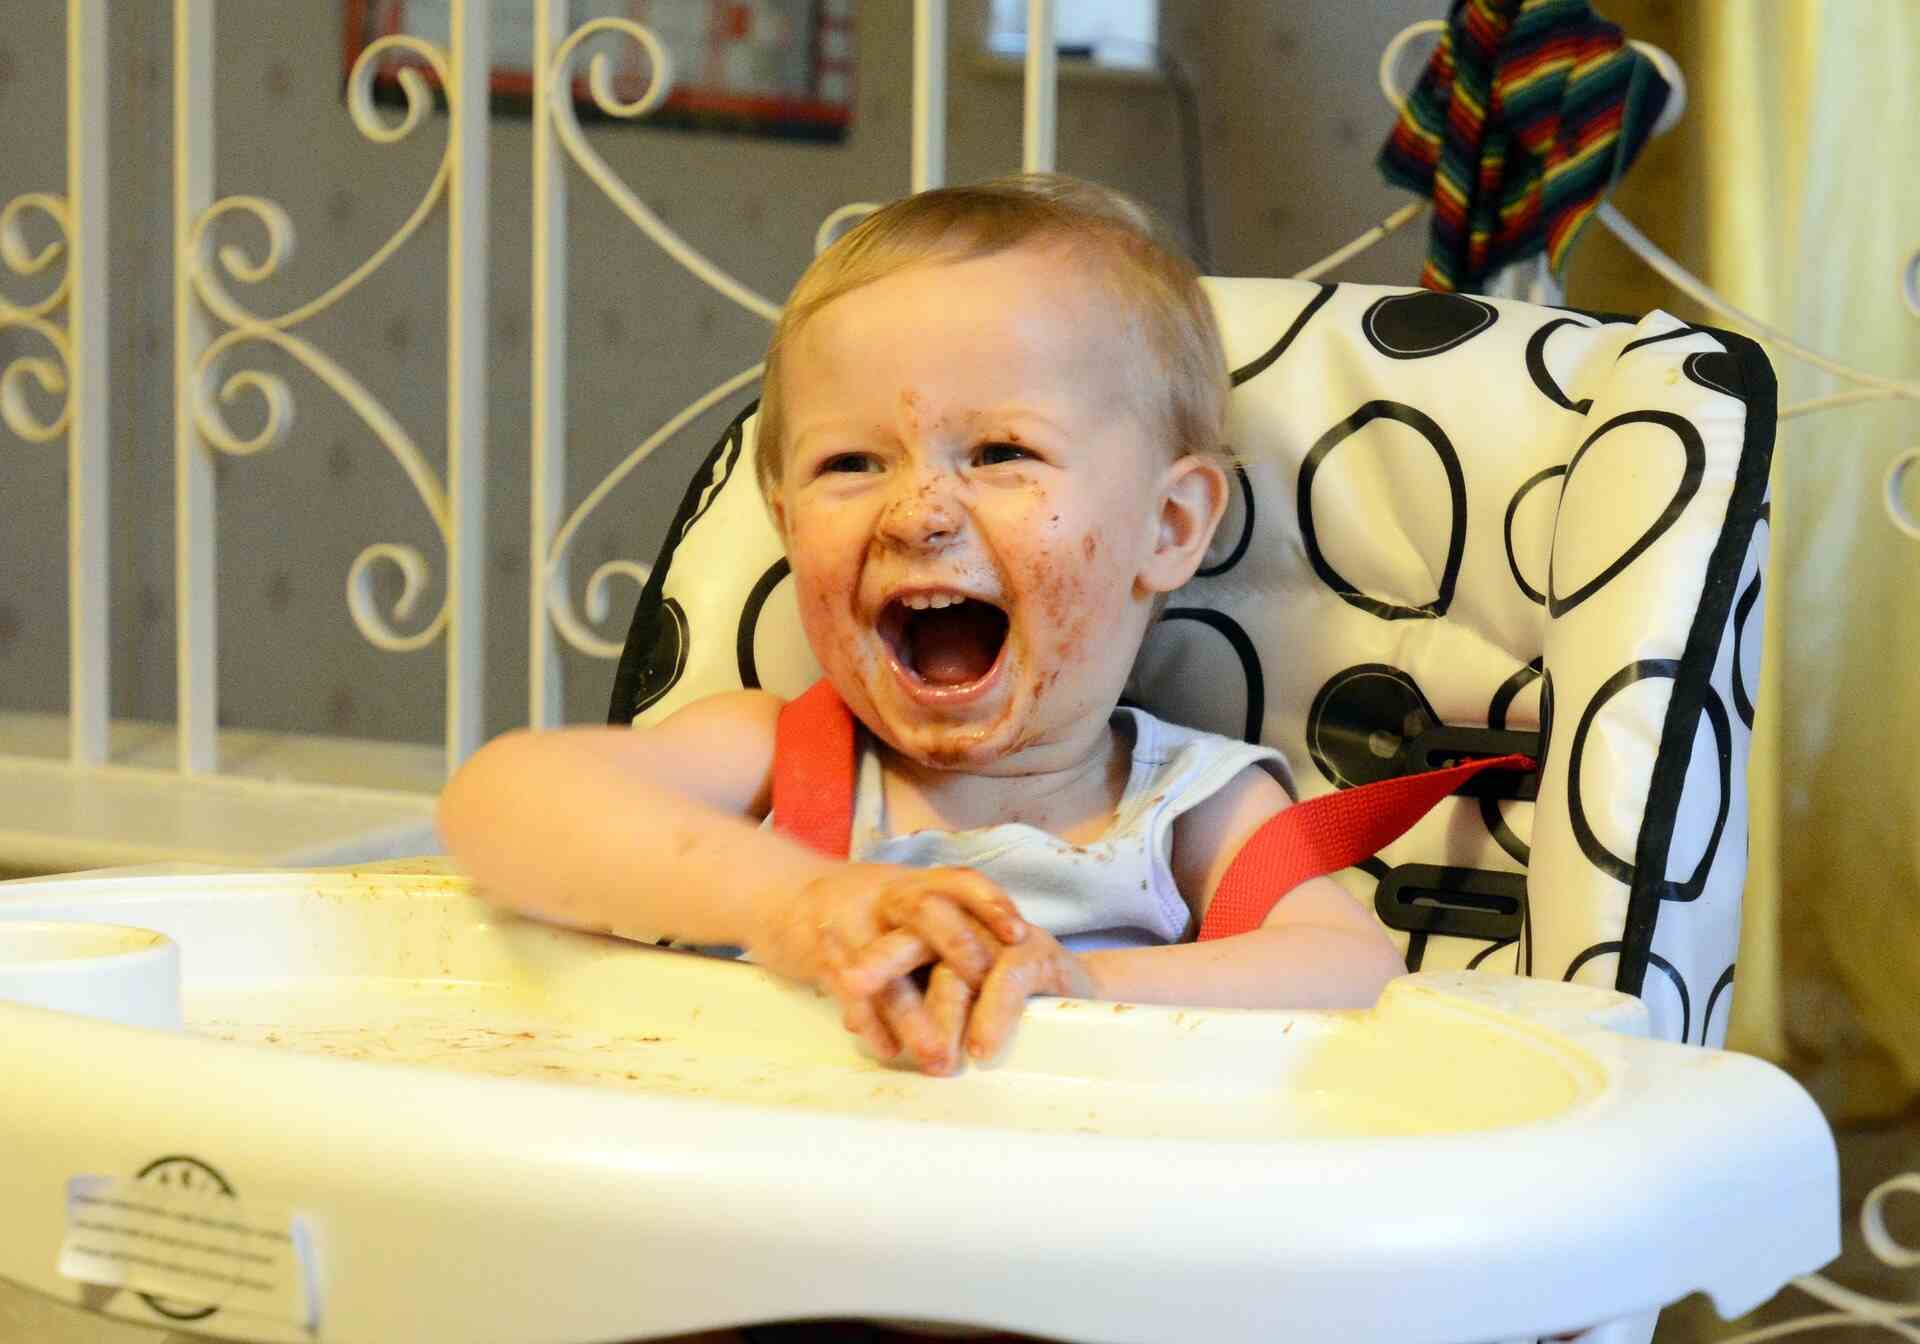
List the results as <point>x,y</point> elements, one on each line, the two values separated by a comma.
<point>1071,794</point>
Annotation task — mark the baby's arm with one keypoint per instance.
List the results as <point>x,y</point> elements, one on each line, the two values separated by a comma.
<point>645,833</point>
<point>652,832</point>
<point>1316,948</point>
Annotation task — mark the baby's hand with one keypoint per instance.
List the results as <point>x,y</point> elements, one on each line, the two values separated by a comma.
<point>983,1010</point>
<point>1039,965</point>
<point>900,919</point>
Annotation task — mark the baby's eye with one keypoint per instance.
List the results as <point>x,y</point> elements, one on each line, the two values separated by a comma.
<point>849,462</point>
<point>993,454</point>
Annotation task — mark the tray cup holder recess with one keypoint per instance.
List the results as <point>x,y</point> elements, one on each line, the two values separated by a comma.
<point>111,971</point>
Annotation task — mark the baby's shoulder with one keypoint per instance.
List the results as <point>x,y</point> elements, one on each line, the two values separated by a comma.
<point>1208,835</point>
<point>721,748</point>
<point>1195,758</point>
<point>1239,806</point>
<point>728,711</point>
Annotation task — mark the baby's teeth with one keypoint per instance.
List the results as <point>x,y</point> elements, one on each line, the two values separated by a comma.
<point>918,603</point>
<point>939,600</point>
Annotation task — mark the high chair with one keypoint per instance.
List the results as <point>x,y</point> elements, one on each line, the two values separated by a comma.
<point>1463,527</point>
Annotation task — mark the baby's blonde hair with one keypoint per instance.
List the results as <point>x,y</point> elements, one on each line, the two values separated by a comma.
<point>1129,252</point>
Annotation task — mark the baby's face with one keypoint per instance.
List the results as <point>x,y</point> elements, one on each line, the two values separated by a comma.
<point>970,498</point>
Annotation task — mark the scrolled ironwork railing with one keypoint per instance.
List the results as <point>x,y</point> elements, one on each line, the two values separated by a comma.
<point>22,258</point>
<point>205,303</point>
<point>246,326</point>
<point>70,321</point>
<point>558,128</point>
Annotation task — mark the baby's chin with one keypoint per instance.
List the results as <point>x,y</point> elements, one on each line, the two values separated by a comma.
<point>1010,743</point>
<point>973,741</point>
<point>973,748</point>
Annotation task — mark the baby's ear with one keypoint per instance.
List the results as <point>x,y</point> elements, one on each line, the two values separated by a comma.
<point>1191,500</point>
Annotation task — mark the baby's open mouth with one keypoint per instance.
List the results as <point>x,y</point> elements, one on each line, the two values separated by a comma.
<point>944,639</point>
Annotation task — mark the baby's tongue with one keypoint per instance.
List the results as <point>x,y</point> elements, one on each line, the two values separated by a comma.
<point>954,645</point>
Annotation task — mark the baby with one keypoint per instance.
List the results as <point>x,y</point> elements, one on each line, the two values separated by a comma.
<point>991,441</point>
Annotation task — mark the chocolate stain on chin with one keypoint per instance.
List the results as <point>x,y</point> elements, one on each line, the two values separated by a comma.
<point>951,755</point>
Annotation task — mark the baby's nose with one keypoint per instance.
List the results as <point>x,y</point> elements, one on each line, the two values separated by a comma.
<point>923,512</point>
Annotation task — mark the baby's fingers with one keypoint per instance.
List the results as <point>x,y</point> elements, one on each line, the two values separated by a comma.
<point>980,897</point>
<point>858,1013</point>
<point>956,937</point>
<point>948,997</point>
<point>905,1014</point>
<point>1002,999</point>
<point>861,1018</point>
<point>881,962</point>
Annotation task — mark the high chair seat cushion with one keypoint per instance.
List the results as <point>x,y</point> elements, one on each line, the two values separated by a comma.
<point>1453,512</point>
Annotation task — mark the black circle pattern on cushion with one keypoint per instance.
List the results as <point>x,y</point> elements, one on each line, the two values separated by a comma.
<point>1443,449</point>
<point>1246,529</point>
<point>1243,648</point>
<point>1490,813</point>
<point>1674,335</point>
<point>1424,323</point>
<point>1742,613</point>
<point>1513,507</point>
<point>1748,604</point>
<point>750,617</point>
<point>1287,338</point>
<point>1488,951</point>
<point>1546,718</point>
<point>1711,368</point>
<point>1696,884</point>
<point>1598,854</point>
<point>666,662</point>
<point>1543,376</point>
<point>722,471</point>
<point>1696,466</point>
<point>1720,986</point>
<point>1654,959</point>
<point>1361,721</point>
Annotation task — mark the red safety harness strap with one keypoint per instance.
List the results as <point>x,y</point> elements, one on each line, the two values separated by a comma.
<point>813,803</point>
<point>813,771</point>
<point>1326,834</point>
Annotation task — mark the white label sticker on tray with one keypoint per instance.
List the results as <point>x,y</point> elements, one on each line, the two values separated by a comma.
<point>198,1247</point>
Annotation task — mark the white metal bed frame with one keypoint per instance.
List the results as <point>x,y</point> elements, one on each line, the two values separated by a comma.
<point>210,324</point>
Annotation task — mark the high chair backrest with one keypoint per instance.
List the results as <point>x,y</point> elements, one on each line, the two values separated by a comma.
<point>1463,527</point>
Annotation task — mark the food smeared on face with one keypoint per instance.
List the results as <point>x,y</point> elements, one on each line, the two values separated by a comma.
<point>968,496</point>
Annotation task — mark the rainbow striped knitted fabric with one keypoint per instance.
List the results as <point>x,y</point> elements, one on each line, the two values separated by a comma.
<point>1525,117</point>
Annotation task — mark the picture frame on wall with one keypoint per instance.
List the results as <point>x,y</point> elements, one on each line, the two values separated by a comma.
<point>781,68</point>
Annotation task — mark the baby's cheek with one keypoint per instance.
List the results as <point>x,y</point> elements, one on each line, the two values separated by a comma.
<point>823,603</point>
<point>1063,594</point>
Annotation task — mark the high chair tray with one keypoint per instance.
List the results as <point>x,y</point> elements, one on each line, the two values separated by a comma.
<point>481,1129</point>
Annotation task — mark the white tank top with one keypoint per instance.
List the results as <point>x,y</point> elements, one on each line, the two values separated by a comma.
<point>1117,891</point>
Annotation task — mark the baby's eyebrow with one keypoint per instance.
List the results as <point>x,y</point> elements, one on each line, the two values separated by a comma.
<point>1011,414</point>
<point>847,429</point>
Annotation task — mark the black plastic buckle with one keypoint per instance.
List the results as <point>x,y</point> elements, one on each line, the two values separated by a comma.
<point>1448,745</point>
<point>1423,898</point>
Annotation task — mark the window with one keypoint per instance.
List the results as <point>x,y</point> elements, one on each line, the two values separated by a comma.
<point>1115,33</point>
